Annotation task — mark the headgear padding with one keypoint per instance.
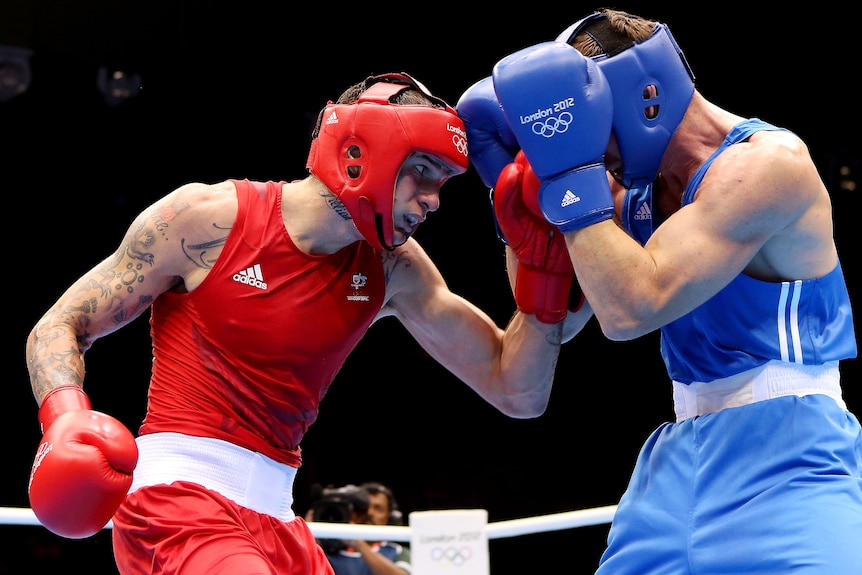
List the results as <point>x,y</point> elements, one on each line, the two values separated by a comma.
<point>629,68</point>
<point>361,146</point>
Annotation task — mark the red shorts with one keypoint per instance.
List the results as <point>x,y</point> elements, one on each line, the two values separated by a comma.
<point>186,529</point>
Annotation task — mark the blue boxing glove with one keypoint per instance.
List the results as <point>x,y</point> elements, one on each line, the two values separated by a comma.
<point>492,143</point>
<point>559,105</point>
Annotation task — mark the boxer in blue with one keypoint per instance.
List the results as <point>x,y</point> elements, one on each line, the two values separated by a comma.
<point>716,230</point>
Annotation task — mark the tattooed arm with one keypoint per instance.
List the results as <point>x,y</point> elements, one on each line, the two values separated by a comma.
<point>169,246</point>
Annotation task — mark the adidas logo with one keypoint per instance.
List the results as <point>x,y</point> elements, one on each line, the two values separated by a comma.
<point>569,199</point>
<point>251,276</point>
<point>643,213</point>
<point>332,119</point>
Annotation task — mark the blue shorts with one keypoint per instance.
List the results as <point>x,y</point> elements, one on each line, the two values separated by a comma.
<point>774,487</point>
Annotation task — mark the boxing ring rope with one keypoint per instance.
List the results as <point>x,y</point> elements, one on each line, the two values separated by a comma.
<point>496,530</point>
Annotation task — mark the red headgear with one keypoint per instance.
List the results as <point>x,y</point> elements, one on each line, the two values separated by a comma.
<point>361,146</point>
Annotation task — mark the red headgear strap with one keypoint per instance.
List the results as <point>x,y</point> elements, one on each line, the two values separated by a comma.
<point>361,146</point>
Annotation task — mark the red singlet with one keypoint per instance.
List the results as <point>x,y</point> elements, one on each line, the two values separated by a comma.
<point>248,355</point>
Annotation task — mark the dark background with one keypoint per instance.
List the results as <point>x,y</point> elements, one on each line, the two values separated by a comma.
<point>231,90</point>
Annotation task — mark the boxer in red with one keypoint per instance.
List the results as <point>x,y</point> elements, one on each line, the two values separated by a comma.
<point>257,293</point>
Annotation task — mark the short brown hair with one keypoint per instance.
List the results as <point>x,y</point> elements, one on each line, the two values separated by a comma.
<point>616,22</point>
<point>406,98</point>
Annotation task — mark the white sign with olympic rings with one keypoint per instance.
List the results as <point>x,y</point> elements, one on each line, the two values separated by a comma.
<point>454,542</point>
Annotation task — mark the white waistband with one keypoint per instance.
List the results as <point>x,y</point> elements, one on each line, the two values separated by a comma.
<point>773,379</point>
<point>246,477</point>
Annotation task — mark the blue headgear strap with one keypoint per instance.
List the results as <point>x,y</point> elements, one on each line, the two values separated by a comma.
<point>629,68</point>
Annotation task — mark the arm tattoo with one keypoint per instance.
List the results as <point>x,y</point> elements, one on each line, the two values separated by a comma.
<point>64,366</point>
<point>555,335</point>
<point>165,214</point>
<point>112,282</point>
<point>197,253</point>
<point>392,260</point>
<point>141,239</point>
<point>123,315</point>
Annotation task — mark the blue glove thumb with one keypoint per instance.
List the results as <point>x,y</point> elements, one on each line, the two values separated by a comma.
<point>492,143</point>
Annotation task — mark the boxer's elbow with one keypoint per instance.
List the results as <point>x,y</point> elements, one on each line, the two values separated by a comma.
<point>529,405</point>
<point>623,327</point>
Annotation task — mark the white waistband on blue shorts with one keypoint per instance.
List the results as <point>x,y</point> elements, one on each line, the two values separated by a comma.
<point>246,477</point>
<point>773,379</point>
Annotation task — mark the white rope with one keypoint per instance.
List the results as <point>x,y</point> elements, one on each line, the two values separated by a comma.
<point>500,529</point>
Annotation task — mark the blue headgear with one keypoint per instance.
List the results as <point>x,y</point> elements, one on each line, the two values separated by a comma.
<point>629,68</point>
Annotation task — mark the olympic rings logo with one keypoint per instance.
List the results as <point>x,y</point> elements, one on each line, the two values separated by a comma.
<point>552,125</point>
<point>460,143</point>
<point>451,556</point>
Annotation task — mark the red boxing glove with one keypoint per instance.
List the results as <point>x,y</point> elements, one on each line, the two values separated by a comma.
<point>83,467</point>
<point>545,284</point>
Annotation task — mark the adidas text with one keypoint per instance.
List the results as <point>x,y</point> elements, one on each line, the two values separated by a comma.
<point>251,276</point>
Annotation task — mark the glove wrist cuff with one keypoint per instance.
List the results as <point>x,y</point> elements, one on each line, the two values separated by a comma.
<point>577,198</point>
<point>544,293</point>
<point>59,400</point>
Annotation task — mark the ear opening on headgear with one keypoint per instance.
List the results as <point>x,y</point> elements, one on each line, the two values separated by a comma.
<point>354,171</point>
<point>651,110</point>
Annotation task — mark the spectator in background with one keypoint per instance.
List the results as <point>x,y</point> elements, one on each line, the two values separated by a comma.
<point>372,504</point>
